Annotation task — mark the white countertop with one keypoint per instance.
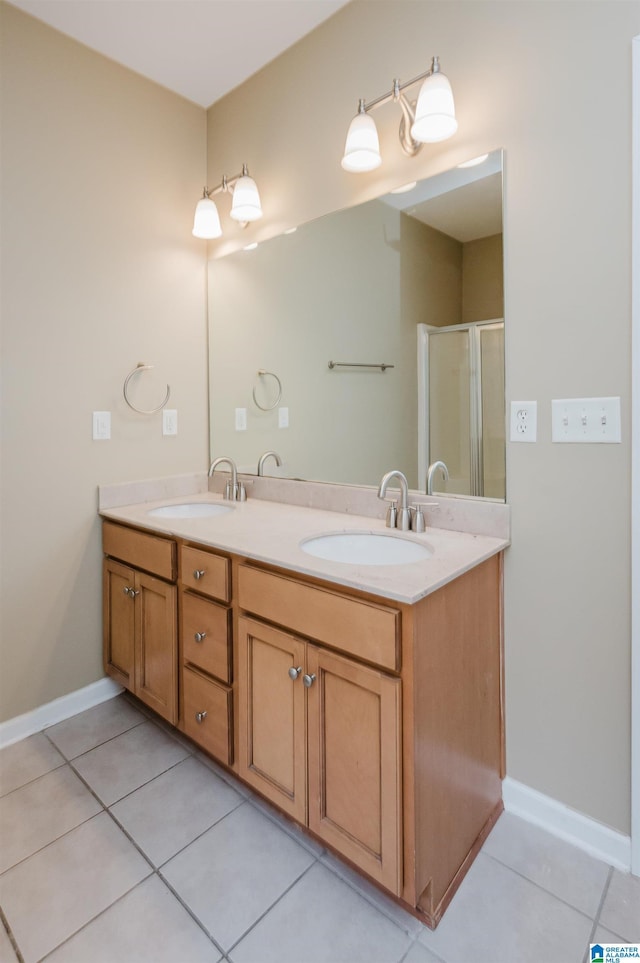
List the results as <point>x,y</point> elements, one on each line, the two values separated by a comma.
<point>271,532</point>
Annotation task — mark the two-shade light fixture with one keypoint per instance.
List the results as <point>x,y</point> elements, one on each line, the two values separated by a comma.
<point>245,205</point>
<point>431,119</point>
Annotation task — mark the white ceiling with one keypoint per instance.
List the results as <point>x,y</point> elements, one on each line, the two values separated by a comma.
<point>200,49</point>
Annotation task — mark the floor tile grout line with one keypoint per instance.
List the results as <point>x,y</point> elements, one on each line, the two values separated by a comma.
<point>597,921</point>
<point>605,890</point>
<point>56,839</point>
<point>370,900</point>
<point>14,943</point>
<point>94,918</point>
<point>107,805</point>
<point>542,888</point>
<point>187,908</point>
<point>97,746</point>
<point>272,906</point>
<point>195,839</point>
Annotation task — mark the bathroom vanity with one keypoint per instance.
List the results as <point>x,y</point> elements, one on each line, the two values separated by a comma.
<point>363,701</point>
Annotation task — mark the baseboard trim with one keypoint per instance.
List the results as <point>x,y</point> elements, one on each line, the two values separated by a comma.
<point>13,730</point>
<point>574,827</point>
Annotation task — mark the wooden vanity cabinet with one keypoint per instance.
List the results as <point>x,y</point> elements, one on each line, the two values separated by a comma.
<point>206,667</point>
<point>378,725</point>
<point>140,617</point>
<point>392,753</point>
<point>319,734</point>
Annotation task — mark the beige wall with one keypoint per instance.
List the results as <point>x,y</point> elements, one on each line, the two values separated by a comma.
<point>525,78</point>
<point>100,169</point>
<point>482,279</point>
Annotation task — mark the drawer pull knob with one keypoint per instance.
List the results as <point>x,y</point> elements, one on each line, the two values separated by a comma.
<point>308,680</point>
<point>198,574</point>
<point>294,673</point>
<point>201,716</point>
<point>200,636</point>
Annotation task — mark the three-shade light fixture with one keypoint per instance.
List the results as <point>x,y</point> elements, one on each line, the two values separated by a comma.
<point>245,205</point>
<point>429,120</point>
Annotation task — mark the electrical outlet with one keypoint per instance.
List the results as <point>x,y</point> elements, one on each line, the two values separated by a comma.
<point>524,420</point>
<point>169,421</point>
<point>241,419</point>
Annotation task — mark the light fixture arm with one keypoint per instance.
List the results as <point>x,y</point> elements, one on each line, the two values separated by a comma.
<point>427,119</point>
<point>227,184</point>
<point>397,88</point>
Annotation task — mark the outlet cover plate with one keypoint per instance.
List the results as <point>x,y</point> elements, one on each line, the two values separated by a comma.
<point>524,421</point>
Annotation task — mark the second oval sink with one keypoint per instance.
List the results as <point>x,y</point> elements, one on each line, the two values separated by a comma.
<point>366,548</point>
<point>189,510</point>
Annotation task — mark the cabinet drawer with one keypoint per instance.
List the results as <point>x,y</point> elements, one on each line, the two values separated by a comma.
<point>148,552</point>
<point>206,635</point>
<point>213,704</point>
<point>364,629</point>
<point>205,572</point>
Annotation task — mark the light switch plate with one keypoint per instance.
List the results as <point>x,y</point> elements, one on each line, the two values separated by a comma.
<point>586,420</point>
<point>283,417</point>
<point>169,421</point>
<point>101,425</point>
<point>241,419</point>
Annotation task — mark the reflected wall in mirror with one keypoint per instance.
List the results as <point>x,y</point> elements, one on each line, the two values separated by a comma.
<point>367,286</point>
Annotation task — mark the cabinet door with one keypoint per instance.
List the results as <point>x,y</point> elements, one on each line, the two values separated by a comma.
<point>118,610</point>
<point>156,652</point>
<point>355,763</point>
<point>272,725</point>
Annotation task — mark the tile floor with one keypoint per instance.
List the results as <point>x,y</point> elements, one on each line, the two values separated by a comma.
<point>120,843</point>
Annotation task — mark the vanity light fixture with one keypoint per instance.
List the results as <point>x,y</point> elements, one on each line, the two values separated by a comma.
<point>432,118</point>
<point>245,205</point>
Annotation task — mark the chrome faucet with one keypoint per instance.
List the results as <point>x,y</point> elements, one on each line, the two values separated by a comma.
<point>431,470</point>
<point>233,491</point>
<point>263,458</point>
<point>403,516</point>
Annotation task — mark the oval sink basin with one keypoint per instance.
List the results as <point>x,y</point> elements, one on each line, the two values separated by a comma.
<point>366,548</point>
<point>189,510</point>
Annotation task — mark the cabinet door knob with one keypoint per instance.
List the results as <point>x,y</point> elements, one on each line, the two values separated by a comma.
<point>200,636</point>
<point>294,673</point>
<point>308,680</point>
<point>127,590</point>
<point>201,716</point>
<point>198,574</point>
<point>134,592</point>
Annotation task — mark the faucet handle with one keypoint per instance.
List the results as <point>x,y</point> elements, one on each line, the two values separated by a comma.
<point>392,513</point>
<point>418,523</point>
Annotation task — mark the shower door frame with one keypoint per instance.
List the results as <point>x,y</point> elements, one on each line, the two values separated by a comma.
<point>475,398</point>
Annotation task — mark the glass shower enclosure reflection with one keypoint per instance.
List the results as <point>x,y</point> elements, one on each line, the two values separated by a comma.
<point>461,418</point>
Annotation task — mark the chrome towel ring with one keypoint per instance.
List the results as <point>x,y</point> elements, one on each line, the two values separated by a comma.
<point>142,411</point>
<point>262,373</point>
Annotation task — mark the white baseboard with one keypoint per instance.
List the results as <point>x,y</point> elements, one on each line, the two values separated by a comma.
<point>574,827</point>
<point>47,715</point>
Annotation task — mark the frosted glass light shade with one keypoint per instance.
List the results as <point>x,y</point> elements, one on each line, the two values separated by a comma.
<point>362,147</point>
<point>206,223</point>
<point>246,201</point>
<point>435,111</point>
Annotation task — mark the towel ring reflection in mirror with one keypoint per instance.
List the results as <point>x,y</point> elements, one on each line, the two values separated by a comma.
<point>142,411</point>
<point>261,374</point>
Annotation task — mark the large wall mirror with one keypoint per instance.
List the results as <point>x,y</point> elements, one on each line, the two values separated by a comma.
<point>404,296</point>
